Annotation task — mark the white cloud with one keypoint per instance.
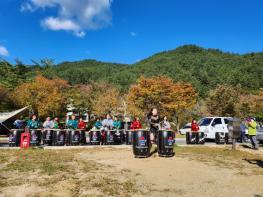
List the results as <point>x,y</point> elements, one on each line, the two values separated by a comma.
<point>57,24</point>
<point>3,51</point>
<point>26,7</point>
<point>75,16</point>
<point>133,34</point>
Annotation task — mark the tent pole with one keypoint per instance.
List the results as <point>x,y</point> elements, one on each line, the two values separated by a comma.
<point>5,126</point>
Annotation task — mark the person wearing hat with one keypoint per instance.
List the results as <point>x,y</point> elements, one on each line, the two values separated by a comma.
<point>252,131</point>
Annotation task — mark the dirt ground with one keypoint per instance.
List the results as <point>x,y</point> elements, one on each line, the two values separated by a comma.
<point>193,171</point>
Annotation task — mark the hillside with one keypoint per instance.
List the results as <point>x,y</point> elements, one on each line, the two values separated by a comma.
<point>204,68</point>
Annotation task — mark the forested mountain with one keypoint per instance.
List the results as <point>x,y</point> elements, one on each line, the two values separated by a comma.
<point>203,68</point>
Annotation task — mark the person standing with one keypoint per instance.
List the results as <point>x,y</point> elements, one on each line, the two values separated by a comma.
<point>243,129</point>
<point>194,131</point>
<point>252,131</point>
<point>194,126</point>
<point>154,122</point>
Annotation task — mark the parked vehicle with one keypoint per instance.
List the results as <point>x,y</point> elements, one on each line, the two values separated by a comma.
<point>260,135</point>
<point>211,125</point>
<point>85,116</point>
<point>185,128</point>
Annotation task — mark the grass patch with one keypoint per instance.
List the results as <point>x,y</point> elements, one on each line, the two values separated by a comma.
<point>215,152</point>
<point>113,187</point>
<point>32,160</point>
<point>67,170</point>
<point>245,162</point>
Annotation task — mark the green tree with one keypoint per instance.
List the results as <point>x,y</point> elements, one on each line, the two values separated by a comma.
<point>6,102</point>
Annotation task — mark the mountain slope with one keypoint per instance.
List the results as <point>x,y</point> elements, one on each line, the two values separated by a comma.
<point>204,68</point>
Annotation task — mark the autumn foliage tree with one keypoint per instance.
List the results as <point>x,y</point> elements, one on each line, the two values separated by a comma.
<point>45,96</point>
<point>79,98</point>
<point>161,92</point>
<point>251,105</point>
<point>106,100</point>
<point>224,100</point>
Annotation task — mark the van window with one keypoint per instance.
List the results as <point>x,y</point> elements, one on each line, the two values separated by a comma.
<point>217,121</point>
<point>226,120</point>
<point>205,122</point>
<point>186,127</point>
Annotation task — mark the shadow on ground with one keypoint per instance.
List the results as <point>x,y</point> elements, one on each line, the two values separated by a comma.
<point>257,162</point>
<point>246,146</point>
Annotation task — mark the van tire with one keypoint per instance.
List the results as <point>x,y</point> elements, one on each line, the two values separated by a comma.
<point>217,139</point>
<point>226,138</point>
<point>187,137</point>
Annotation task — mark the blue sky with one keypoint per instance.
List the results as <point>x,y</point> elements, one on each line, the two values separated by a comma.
<point>125,31</point>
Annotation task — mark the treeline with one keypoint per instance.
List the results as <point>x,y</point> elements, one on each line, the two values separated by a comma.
<point>178,101</point>
<point>204,69</point>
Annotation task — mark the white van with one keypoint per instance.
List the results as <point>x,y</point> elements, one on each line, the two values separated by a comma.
<point>211,125</point>
<point>185,128</point>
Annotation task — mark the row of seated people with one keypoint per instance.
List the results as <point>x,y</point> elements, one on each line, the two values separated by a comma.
<point>73,123</point>
<point>154,122</point>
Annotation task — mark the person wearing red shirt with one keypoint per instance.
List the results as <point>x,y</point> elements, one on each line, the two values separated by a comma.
<point>194,126</point>
<point>82,124</point>
<point>136,124</point>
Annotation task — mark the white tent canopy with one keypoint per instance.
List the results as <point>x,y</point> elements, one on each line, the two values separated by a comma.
<point>8,115</point>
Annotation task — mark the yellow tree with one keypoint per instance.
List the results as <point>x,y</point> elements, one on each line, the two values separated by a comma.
<point>43,95</point>
<point>106,100</point>
<point>149,93</point>
<point>161,92</point>
<point>79,96</point>
<point>251,105</point>
<point>225,96</point>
